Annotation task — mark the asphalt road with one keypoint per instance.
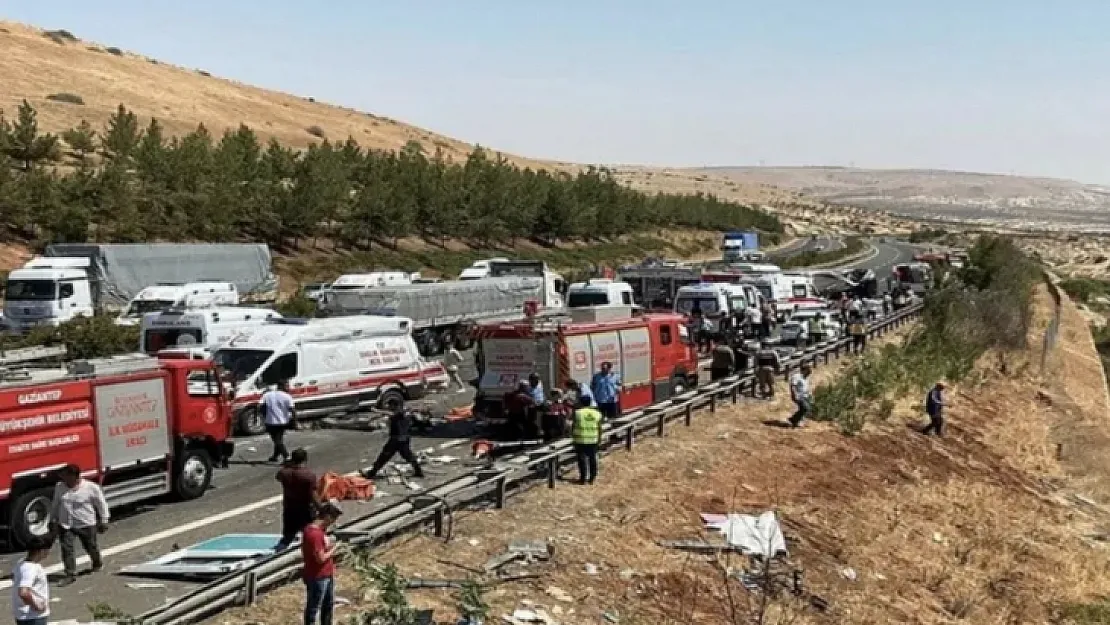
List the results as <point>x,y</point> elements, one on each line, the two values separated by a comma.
<point>806,244</point>
<point>246,499</point>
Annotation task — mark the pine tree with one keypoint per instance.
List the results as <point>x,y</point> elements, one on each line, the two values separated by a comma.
<point>121,135</point>
<point>24,144</point>
<point>82,140</point>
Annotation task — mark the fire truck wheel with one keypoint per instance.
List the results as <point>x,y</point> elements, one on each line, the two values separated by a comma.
<point>31,515</point>
<point>250,421</point>
<point>391,399</point>
<point>193,474</point>
<point>678,386</point>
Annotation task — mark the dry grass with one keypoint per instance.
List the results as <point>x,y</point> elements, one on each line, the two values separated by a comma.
<point>970,528</point>
<point>35,64</point>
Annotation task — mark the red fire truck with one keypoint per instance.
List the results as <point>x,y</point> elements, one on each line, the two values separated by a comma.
<point>652,353</point>
<point>139,426</point>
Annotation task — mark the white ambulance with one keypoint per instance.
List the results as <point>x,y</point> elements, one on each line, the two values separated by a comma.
<point>333,365</point>
<point>789,291</point>
<point>206,328</point>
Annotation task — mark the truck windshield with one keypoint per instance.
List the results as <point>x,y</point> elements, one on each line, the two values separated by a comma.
<point>157,339</point>
<point>239,364</point>
<point>579,299</point>
<point>688,305</point>
<point>32,290</point>
<point>141,307</point>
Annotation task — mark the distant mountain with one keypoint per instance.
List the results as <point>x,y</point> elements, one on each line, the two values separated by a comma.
<point>925,193</point>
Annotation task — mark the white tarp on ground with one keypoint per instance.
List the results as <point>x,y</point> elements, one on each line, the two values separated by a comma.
<point>760,535</point>
<point>121,271</point>
<point>441,302</point>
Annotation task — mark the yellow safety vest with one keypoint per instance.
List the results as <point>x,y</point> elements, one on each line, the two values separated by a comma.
<point>587,426</point>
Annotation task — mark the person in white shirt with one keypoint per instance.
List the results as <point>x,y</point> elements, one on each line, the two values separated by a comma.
<point>755,318</point>
<point>799,392</point>
<point>78,510</point>
<point>451,361</point>
<point>30,587</point>
<point>280,414</point>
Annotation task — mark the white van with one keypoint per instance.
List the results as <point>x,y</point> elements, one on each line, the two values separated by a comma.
<point>333,365</point>
<point>162,297</point>
<point>599,292</point>
<point>204,328</point>
<point>715,300</point>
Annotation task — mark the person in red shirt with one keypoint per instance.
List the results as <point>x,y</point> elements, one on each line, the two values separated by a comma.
<point>318,551</point>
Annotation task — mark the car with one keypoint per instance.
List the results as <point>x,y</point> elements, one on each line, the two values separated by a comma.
<point>830,324</point>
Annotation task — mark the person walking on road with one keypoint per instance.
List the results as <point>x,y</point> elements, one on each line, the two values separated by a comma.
<point>30,586</point>
<point>723,363</point>
<point>78,510</point>
<point>934,407</point>
<point>586,435</point>
<point>318,552</point>
<point>280,415</point>
<point>298,497</point>
<point>799,392</point>
<point>606,387</point>
<point>451,361</point>
<point>400,442</point>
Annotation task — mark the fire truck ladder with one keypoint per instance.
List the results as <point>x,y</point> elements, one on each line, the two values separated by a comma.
<point>113,365</point>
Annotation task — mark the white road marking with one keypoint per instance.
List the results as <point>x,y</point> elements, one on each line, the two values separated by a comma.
<point>199,523</point>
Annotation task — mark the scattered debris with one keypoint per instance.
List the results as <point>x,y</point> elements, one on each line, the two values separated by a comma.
<point>591,568</point>
<point>848,573</point>
<point>752,535</point>
<point>144,585</point>
<point>697,545</point>
<point>474,542</point>
<point>627,574</point>
<point>527,550</point>
<point>612,617</point>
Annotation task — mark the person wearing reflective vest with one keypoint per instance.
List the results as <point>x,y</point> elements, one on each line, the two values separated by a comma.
<point>586,434</point>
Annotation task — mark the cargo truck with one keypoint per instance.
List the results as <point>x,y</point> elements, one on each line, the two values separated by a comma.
<point>139,426</point>
<point>73,280</point>
<point>444,313</point>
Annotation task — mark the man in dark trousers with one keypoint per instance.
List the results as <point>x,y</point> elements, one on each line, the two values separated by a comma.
<point>400,442</point>
<point>586,435</point>
<point>934,407</point>
<point>723,362</point>
<point>298,497</point>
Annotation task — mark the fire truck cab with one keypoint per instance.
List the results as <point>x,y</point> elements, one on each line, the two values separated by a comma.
<point>139,426</point>
<point>652,353</point>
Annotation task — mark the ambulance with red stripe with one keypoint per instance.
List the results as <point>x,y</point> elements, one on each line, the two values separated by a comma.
<point>139,426</point>
<point>651,352</point>
<point>333,365</point>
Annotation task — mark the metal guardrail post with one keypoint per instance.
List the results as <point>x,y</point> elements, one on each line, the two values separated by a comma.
<point>629,439</point>
<point>552,471</point>
<point>502,488</point>
<point>689,417</point>
<point>437,522</point>
<point>250,588</point>
<point>659,427</point>
<point>713,403</point>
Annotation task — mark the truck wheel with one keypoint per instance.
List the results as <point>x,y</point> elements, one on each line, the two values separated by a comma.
<point>391,399</point>
<point>250,421</point>
<point>192,473</point>
<point>31,516</point>
<point>678,385</point>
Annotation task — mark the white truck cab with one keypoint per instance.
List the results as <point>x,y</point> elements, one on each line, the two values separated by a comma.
<point>599,292</point>
<point>163,297</point>
<point>480,269</point>
<point>353,281</point>
<point>47,291</point>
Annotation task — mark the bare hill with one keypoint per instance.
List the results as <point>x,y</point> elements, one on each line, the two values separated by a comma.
<point>921,193</point>
<point>47,67</point>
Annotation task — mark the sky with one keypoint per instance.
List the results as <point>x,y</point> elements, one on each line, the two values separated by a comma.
<point>1017,86</point>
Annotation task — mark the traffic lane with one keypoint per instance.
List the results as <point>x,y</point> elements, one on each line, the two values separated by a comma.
<point>144,534</point>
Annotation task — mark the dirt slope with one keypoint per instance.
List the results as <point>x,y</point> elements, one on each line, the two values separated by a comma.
<point>889,527</point>
<point>36,64</point>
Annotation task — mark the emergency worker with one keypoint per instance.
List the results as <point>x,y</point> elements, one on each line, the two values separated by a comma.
<point>586,435</point>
